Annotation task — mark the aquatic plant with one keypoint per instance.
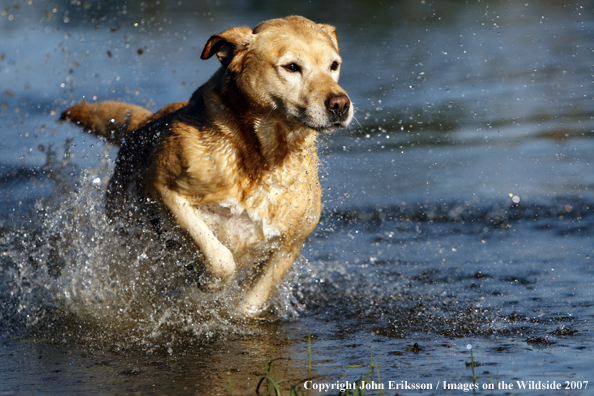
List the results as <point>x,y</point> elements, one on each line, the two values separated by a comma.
<point>274,385</point>
<point>469,346</point>
<point>360,388</point>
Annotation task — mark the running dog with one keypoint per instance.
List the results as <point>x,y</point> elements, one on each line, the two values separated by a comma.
<point>236,166</point>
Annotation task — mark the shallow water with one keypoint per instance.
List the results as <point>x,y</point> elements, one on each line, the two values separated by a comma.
<point>457,208</point>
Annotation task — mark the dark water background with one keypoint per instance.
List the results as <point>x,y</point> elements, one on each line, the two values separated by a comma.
<point>457,208</point>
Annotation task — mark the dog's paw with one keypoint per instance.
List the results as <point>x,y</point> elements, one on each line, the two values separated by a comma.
<point>221,264</point>
<point>219,271</point>
<point>252,310</point>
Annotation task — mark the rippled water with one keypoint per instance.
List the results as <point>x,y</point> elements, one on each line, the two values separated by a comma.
<point>457,208</point>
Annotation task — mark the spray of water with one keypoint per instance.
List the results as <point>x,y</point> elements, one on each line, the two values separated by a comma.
<point>69,267</point>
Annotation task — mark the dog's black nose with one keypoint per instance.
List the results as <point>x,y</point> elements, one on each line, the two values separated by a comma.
<point>338,104</point>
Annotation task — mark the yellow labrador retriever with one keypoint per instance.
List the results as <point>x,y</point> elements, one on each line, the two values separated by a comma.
<point>235,167</point>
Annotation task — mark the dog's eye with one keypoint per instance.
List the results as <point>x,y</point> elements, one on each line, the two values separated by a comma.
<point>334,66</point>
<point>292,67</point>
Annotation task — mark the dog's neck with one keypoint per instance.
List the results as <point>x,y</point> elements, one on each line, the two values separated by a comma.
<point>279,140</point>
<point>267,140</point>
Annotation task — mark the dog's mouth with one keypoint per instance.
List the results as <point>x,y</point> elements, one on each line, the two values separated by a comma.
<point>323,128</point>
<point>328,127</point>
<point>333,127</point>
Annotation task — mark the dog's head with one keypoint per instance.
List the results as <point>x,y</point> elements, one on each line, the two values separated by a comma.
<point>290,65</point>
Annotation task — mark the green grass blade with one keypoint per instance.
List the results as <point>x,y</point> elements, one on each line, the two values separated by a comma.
<point>308,356</point>
<point>472,364</point>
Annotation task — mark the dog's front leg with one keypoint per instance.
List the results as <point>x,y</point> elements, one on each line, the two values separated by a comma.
<point>218,260</point>
<point>265,282</point>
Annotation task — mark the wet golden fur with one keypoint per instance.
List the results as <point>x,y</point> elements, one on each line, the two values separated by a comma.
<point>235,167</point>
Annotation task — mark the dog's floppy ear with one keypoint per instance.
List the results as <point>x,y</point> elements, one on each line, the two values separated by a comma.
<point>227,44</point>
<point>331,30</point>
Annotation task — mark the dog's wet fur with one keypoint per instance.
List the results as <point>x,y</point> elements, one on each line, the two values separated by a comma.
<point>236,166</point>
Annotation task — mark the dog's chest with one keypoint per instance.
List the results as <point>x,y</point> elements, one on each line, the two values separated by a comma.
<point>234,225</point>
<point>278,207</point>
<point>244,232</point>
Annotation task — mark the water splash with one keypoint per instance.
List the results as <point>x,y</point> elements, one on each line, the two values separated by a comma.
<point>67,266</point>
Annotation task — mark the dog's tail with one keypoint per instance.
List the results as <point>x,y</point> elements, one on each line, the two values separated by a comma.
<point>109,120</point>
